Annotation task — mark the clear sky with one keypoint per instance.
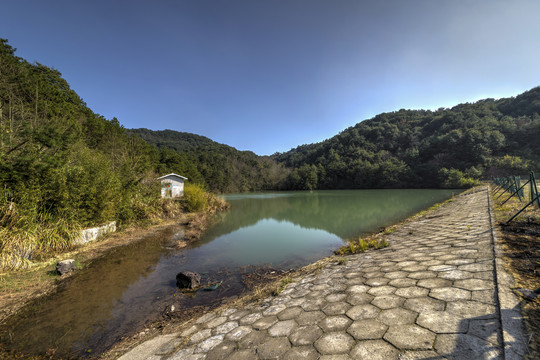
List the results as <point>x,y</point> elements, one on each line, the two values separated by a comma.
<point>268,75</point>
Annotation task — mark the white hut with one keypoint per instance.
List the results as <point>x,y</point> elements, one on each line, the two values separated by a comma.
<point>172,185</point>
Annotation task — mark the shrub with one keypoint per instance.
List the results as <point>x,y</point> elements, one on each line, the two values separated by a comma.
<point>195,198</point>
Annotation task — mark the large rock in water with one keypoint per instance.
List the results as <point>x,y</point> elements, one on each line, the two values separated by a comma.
<point>65,266</point>
<point>188,280</point>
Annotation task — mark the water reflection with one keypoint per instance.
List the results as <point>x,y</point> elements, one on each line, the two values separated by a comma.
<point>344,213</point>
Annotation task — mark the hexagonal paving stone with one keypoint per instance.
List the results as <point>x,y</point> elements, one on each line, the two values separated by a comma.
<point>373,274</point>
<point>199,336</point>
<point>353,275</point>
<point>410,337</point>
<point>471,309</point>
<point>464,346</point>
<point>423,275</point>
<point>388,301</point>
<point>299,293</point>
<point>412,292</point>
<point>374,350</point>
<point>336,297</point>
<point>407,263</point>
<point>334,343</point>
<point>421,304</point>
<point>215,322</point>
<point>310,317</point>
<point>238,333</point>
<point>434,283</point>
<point>209,344</point>
<point>335,323</point>
<point>313,304</point>
<point>205,318</point>
<point>274,310</point>
<point>336,308</point>
<point>487,329</point>
<point>290,313</point>
<point>396,275</point>
<point>377,281</point>
<point>485,296</point>
<point>226,327</point>
<point>460,261</point>
<point>237,315</point>
<point>414,268</point>
<point>401,283</point>
<point>397,316</point>
<point>369,329</point>
<point>358,289</point>
<point>305,335</point>
<point>455,275</point>
<point>221,351</point>
<point>474,284</point>
<point>443,322</point>
<point>450,294</point>
<point>273,348</point>
<point>301,352</point>
<point>420,355</point>
<point>282,328</point>
<point>364,311</point>
<point>265,322</point>
<point>442,267</point>
<point>382,290</point>
<point>250,319</point>
<point>357,299</point>
<point>254,338</point>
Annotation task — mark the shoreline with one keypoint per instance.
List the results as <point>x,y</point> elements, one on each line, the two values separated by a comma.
<point>269,286</point>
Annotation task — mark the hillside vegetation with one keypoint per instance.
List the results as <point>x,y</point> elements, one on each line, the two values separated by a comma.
<point>63,167</point>
<point>418,148</point>
<point>221,168</point>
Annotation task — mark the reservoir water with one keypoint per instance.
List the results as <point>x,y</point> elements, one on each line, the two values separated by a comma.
<point>120,293</point>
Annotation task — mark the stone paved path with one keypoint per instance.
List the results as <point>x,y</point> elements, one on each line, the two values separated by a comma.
<point>433,294</point>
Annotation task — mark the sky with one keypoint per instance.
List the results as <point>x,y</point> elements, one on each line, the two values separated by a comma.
<point>269,75</point>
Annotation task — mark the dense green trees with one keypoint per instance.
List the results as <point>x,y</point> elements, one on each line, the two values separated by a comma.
<point>62,166</point>
<point>418,148</point>
<point>218,167</point>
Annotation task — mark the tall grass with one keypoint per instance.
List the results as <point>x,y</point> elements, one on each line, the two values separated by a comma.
<point>22,238</point>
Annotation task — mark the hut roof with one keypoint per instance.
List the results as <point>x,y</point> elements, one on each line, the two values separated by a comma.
<point>172,175</point>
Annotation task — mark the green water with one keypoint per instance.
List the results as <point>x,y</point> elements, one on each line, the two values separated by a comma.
<point>303,226</point>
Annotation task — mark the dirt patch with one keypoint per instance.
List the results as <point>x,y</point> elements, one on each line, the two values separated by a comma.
<point>520,242</point>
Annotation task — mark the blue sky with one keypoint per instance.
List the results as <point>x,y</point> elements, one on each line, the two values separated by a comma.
<point>268,75</point>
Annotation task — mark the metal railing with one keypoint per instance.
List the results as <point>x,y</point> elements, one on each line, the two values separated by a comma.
<point>512,185</point>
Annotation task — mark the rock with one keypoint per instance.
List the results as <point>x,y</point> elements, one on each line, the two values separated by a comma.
<point>188,280</point>
<point>65,266</point>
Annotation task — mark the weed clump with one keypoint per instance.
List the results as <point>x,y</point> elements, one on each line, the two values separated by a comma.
<point>361,245</point>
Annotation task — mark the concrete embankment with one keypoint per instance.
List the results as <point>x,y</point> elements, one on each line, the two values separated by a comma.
<point>437,292</point>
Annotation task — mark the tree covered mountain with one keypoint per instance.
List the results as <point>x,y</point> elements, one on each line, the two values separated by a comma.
<point>422,148</point>
<point>221,168</point>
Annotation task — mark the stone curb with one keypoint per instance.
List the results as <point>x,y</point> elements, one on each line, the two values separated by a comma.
<point>515,340</point>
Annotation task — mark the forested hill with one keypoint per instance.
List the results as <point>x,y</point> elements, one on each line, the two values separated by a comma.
<point>419,148</point>
<point>62,165</point>
<point>220,167</point>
